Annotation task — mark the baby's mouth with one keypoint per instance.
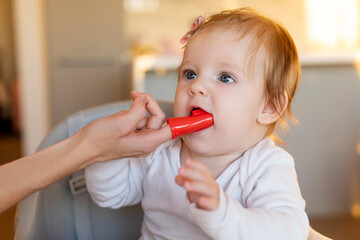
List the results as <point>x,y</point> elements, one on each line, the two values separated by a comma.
<point>198,120</point>
<point>194,109</point>
<point>197,111</point>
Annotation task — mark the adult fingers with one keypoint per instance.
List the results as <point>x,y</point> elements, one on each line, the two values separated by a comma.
<point>134,115</point>
<point>157,115</point>
<point>147,140</point>
<point>155,137</point>
<point>141,124</point>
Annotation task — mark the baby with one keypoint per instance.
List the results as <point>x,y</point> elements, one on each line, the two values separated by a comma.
<point>228,181</point>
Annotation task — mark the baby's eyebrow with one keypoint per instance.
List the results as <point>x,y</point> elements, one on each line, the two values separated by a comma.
<point>234,67</point>
<point>185,63</point>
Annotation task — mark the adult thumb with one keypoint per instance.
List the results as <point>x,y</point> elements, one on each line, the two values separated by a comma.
<point>154,137</point>
<point>136,113</point>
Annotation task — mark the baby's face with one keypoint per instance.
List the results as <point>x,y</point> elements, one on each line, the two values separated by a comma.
<point>215,76</point>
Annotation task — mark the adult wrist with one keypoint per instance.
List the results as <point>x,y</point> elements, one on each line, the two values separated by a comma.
<point>84,149</point>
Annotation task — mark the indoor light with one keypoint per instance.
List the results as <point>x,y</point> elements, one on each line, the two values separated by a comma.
<point>139,6</point>
<point>333,23</point>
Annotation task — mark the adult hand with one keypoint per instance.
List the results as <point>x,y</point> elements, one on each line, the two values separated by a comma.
<point>200,186</point>
<point>124,134</point>
<point>128,133</point>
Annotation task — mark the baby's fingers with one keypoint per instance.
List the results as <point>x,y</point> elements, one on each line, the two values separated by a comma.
<point>193,174</point>
<point>190,163</point>
<point>207,203</point>
<point>180,180</point>
<point>203,202</point>
<point>203,188</point>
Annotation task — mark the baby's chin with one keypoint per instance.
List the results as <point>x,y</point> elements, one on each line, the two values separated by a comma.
<point>210,147</point>
<point>198,147</point>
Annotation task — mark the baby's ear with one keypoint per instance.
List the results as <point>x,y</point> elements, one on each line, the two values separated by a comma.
<point>271,111</point>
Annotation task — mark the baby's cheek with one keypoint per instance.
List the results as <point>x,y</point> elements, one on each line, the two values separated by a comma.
<point>177,109</point>
<point>227,123</point>
<point>232,130</point>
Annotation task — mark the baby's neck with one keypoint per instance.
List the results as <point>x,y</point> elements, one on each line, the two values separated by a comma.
<point>216,164</point>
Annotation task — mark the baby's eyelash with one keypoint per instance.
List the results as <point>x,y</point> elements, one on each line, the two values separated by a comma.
<point>229,74</point>
<point>183,72</point>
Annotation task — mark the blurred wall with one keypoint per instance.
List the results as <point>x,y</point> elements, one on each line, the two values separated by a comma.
<point>325,143</point>
<point>7,55</point>
<point>86,43</point>
<point>173,18</point>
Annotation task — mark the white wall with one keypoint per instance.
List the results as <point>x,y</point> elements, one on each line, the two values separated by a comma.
<point>324,145</point>
<point>173,18</point>
<point>85,50</point>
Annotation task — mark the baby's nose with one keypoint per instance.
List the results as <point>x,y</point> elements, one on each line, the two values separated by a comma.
<point>198,88</point>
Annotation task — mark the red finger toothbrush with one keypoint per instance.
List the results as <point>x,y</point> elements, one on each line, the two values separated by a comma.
<point>198,120</point>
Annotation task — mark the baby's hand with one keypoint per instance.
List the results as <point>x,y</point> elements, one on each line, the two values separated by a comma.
<point>201,187</point>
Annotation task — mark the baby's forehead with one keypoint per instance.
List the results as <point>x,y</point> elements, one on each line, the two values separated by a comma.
<point>244,42</point>
<point>234,36</point>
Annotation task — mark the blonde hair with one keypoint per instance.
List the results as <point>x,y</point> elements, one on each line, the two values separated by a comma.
<point>282,66</point>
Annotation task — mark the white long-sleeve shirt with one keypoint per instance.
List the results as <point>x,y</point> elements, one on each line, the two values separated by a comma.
<point>259,195</point>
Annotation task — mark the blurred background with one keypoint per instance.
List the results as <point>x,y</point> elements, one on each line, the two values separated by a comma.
<point>60,56</point>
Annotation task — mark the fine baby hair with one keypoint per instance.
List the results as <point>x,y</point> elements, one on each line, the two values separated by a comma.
<point>282,66</point>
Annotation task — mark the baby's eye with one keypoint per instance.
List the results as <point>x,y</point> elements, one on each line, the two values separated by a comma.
<point>226,78</point>
<point>190,75</point>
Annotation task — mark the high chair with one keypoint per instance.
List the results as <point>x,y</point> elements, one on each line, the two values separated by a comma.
<point>65,211</point>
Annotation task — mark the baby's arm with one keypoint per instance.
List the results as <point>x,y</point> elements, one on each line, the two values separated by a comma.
<point>116,183</point>
<point>271,211</point>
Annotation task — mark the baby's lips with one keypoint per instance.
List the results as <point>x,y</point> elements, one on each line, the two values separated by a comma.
<point>198,120</point>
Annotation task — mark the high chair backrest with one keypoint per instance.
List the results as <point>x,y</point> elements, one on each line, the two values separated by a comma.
<point>64,210</point>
